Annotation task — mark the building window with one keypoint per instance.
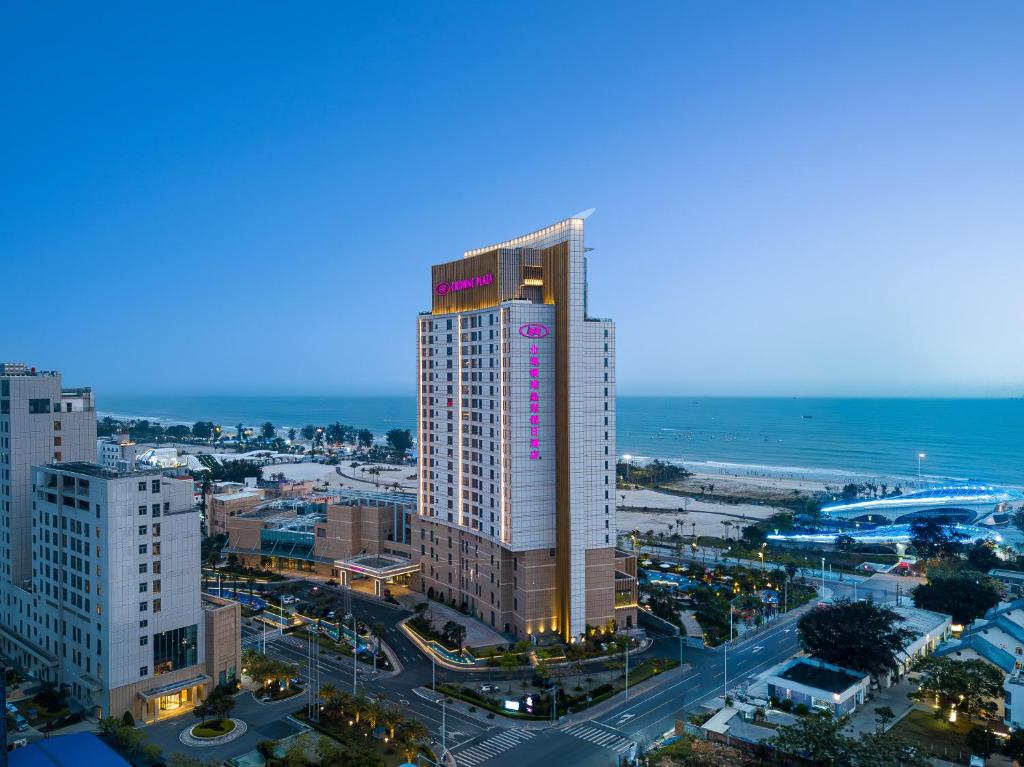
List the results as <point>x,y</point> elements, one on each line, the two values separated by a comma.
<point>143,607</point>
<point>142,567</point>
<point>174,649</point>
<point>142,510</point>
<point>144,671</point>
<point>142,486</point>
<point>143,529</point>
<point>142,548</point>
<point>36,406</point>
<point>143,640</point>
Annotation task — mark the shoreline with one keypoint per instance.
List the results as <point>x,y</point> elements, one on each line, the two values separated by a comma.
<point>755,475</point>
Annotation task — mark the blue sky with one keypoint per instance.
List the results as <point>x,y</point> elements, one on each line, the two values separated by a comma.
<point>792,198</point>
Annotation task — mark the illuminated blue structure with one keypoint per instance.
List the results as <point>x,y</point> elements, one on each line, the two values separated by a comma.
<point>886,534</point>
<point>970,504</point>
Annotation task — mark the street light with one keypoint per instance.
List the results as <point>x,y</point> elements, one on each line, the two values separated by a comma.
<point>920,457</point>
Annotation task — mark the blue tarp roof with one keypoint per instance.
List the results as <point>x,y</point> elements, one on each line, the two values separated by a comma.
<point>82,749</point>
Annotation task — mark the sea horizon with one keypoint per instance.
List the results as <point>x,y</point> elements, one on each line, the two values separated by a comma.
<point>832,439</point>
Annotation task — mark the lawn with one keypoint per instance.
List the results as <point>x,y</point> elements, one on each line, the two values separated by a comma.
<point>213,728</point>
<point>936,736</point>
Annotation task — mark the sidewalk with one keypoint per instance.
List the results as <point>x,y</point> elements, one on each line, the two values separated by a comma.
<point>895,697</point>
<point>477,634</point>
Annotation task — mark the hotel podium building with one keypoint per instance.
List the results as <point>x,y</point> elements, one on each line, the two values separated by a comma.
<point>516,438</point>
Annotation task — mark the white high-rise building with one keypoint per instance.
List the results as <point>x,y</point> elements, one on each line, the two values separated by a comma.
<point>516,427</point>
<point>99,568</point>
<point>40,422</point>
<point>117,585</point>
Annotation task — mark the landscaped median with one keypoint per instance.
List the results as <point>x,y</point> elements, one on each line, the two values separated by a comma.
<point>456,660</point>
<point>576,690</point>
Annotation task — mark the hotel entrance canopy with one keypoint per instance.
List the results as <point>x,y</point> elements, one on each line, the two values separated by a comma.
<point>380,568</point>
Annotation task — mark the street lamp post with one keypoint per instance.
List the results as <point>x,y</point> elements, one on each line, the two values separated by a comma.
<point>920,457</point>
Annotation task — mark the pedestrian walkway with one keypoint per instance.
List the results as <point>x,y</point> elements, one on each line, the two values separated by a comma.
<point>600,736</point>
<point>489,747</point>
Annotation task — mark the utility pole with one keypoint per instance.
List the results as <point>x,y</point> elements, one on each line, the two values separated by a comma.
<point>627,668</point>
<point>355,653</point>
<point>823,577</point>
<point>444,719</point>
<point>725,670</point>
<point>433,672</point>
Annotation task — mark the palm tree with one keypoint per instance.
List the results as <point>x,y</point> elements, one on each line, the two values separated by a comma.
<point>727,524</point>
<point>375,711</point>
<point>390,718</point>
<point>411,733</point>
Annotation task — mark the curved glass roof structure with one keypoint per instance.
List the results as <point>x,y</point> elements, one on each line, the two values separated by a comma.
<point>886,534</point>
<point>935,497</point>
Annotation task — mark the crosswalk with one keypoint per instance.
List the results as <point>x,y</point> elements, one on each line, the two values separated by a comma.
<point>255,640</point>
<point>481,751</point>
<point>598,736</point>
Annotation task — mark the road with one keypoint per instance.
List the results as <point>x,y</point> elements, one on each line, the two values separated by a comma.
<point>598,742</point>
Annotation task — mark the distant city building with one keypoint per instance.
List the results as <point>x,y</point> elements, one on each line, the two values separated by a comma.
<point>516,440</point>
<point>116,613</point>
<point>40,422</point>
<point>117,451</point>
<point>968,504</point>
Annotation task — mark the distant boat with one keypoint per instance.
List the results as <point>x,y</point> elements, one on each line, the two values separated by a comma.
<point>808,416</point>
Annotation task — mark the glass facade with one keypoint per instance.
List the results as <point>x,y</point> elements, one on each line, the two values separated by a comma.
<point>174,649</point>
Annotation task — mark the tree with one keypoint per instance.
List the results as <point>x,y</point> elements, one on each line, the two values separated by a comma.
<point>399,440</point>
<point>982,556</point>
<point>1013,746</point>
<point>291,435</point>
<point>932,539</point>
<point>970,686</point>
<point>268,431</point>
<point>178,431</point>
<point>308,431</point>
<point>454,633</point>
<point>820,740</point>
<point>508,664</point>
<point>844,542</point>
<point>791,570</point>
<point>862,636</point>
<point>883,715</point>
<point>182,760</point>
<point>364,437</point>
<point>202,429</point>
<point>390,718</point>
<point>964,594</point>
<point>982,741</point>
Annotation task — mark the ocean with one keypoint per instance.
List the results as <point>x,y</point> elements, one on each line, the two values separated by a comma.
<point>833,440</point>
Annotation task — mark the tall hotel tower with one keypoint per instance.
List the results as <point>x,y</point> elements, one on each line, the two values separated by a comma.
<point>516,427</point>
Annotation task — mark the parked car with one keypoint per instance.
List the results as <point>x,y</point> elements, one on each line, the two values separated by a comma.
<point>20,723</point>
<point>17,743</point>
<point>11,708</point>
<point>488,688</point>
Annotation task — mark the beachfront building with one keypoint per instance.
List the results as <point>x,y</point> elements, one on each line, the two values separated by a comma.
<point>967,504</point>
<point>516,439</point>
<point>332,536</point>
<point>117,451</point>
<point>116,613</point>
<point>40,422</point>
